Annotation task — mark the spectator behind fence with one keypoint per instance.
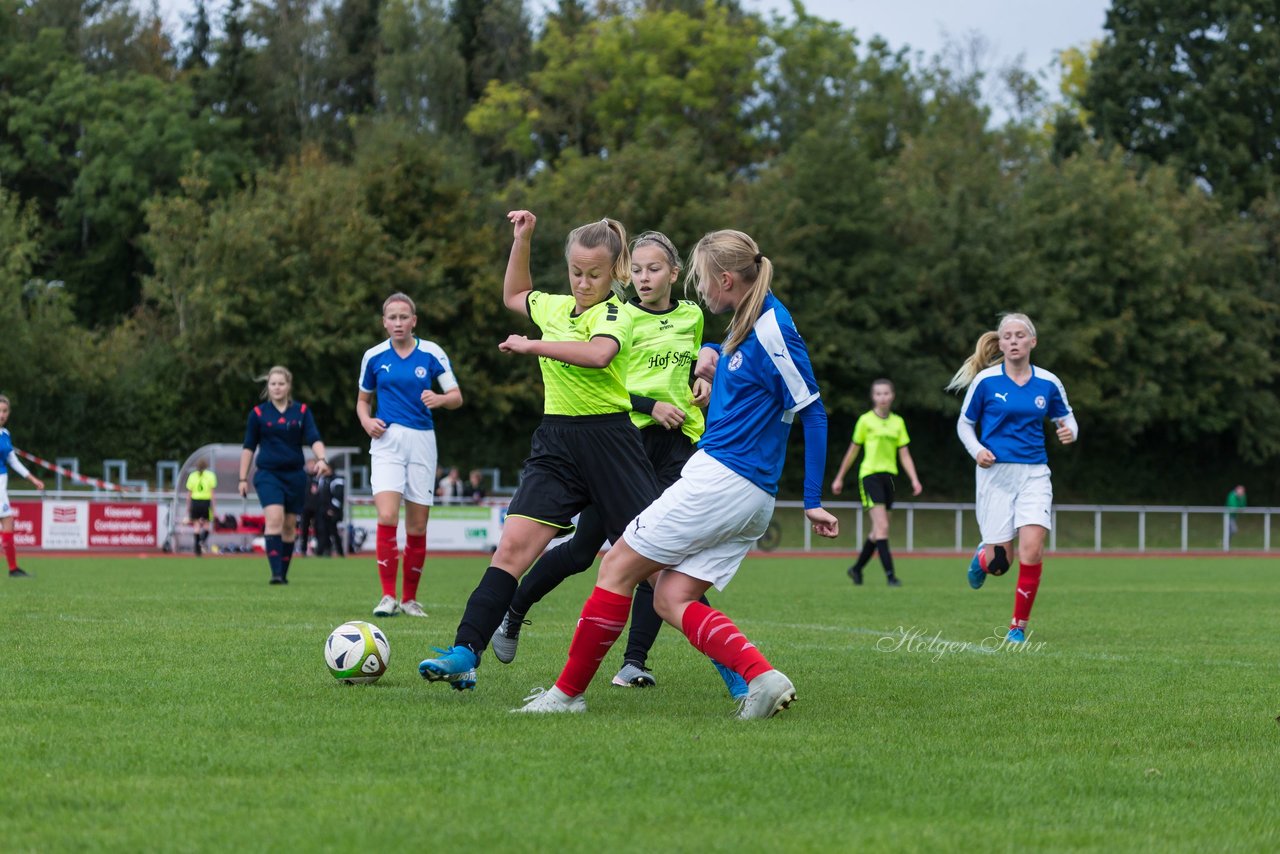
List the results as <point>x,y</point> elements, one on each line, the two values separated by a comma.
<point>332,490</point>
<point>475,487</point>
<point>1236,500</point>
<point>308,522</point>
<point>451,490</point>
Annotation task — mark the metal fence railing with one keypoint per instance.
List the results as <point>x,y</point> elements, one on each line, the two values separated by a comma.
<point>948,527</point>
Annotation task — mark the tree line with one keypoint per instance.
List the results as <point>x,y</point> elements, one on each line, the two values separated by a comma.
<point>180,211</point>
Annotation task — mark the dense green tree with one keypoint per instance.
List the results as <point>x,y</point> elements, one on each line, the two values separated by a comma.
<point>494,40</point>
<point>1192,83</point>
<point>421,75</point>
<point>350,60</point>
<point>197,48</point>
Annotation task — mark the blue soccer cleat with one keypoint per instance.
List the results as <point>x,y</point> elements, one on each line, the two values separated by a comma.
<point>1016,635</point>
<point>735,683</point>
<point>977,575</point>
<point>457,666</point>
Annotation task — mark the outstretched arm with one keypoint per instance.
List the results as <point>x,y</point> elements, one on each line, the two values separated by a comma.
<point>596,353</point>
<point>518,282</point>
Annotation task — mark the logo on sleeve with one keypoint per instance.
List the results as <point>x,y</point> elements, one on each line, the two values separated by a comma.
<point>1040,401</point>
<point>735,361</point>
<point>419,372</point>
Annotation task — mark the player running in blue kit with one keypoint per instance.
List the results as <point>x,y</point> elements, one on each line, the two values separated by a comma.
<point>400,372</point>
<point>277,429</point>
<point>698,531</point>
<point>1008,399</point>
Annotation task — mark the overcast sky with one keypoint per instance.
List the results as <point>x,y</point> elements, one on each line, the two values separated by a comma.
<point>1033,29</point>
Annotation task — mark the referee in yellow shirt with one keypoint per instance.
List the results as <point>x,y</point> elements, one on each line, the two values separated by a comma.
<point>883,434</point>
<point>200,486</point>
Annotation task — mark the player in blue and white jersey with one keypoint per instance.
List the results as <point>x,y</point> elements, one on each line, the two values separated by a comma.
<point>698,531</point>
<point>9,460</point>
<point>402,373</point>
<point>277,429</point>
<point>1007,401</point>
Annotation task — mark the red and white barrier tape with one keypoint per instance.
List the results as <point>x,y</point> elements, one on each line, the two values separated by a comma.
<point>76,476</point>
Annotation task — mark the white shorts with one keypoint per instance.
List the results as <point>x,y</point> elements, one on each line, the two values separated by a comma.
<point>404,461</point>
<point>1011,495</point>
<point>6,509</point>
<point>705,522</point>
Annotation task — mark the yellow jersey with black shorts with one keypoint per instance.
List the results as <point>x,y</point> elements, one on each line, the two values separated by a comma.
<point>586,450</point>
<point>880,439</point>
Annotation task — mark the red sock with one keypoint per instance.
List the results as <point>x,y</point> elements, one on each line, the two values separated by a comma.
<point>10,550</point>
<point>388,558</point>
<point>715,636</point>
<point>415,554</point>
<point>603,618</point>
<point>1028,584</point>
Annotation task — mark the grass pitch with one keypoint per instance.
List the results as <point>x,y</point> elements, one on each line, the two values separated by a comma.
<point>175,704</point>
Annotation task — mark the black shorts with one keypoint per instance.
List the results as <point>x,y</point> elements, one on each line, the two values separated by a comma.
<point>668,451</point>
<point>877,490</point>
<point>578,461</point>
<point>200,509</point>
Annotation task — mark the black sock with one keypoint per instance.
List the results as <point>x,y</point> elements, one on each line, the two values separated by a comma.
<point>485,610</point>
<point>645,624</point>
<point>565,560</point>
<point>868,549</point>
<point>886,558</point>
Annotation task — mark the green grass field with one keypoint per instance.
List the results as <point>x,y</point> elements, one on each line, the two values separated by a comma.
<point>174,704</point>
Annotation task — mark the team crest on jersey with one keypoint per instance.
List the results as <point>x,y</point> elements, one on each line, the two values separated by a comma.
<point>419,372</point>
<point>735,361</point>
<point>1040,401</point>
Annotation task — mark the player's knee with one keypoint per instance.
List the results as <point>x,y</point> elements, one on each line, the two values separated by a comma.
<point>999,564</point>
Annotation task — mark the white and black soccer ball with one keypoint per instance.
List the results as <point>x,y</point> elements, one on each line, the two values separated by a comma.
<point>357,653</point>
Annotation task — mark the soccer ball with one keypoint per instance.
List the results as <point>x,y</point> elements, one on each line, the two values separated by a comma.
<point>357,653</point>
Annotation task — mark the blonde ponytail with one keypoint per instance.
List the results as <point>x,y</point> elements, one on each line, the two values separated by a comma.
<point>730,251</point>
<point>987,352</point>
<point>612,235</point>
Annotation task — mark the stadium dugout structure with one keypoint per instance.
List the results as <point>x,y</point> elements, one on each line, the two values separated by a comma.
<point>224,461</point>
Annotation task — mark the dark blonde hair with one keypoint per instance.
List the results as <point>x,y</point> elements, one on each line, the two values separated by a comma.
<point>610,234</point>
<point>657,238</point>
<point>729,251</point>
<point>399,297</point>
<point>5,399</point>
<point>986,352</point>
<point>277,369</point>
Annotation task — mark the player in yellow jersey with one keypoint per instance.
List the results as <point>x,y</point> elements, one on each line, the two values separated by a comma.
<point>586,452</point>
<point>665,339</point>
<point>882,435</point>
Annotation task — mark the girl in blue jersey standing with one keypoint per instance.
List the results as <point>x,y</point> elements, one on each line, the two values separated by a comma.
<point>400,373</point>
<point>9,460</point>
<point>277,429</point>
<point>1007,401</point>
<point>698,531</point>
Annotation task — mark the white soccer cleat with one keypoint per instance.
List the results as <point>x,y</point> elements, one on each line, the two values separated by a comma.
<point>412,608</point>
<point>550,700</point>
<point>767,694</point>
<point>387,607</point>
